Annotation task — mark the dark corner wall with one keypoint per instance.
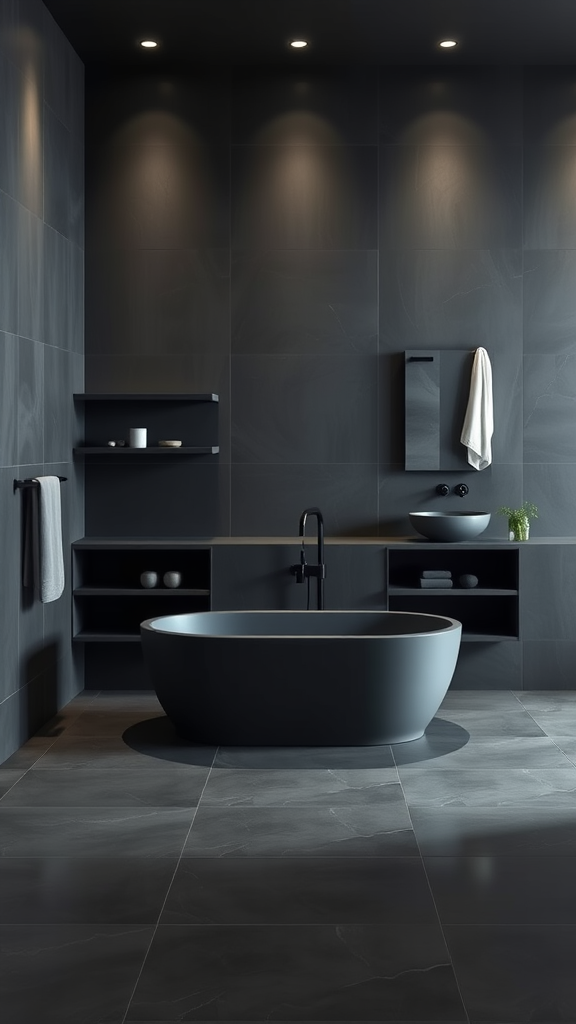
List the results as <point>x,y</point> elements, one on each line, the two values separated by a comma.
<point>282,238</point>
<point>41,344</point>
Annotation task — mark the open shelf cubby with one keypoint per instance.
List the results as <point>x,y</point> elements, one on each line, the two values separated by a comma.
<point>488,611</point>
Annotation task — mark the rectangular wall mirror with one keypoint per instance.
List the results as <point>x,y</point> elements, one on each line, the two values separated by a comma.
<point>437,386</point>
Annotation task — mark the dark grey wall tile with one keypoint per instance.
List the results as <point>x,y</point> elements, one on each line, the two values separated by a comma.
<point>450,197</point>
<point>549,664</point>
<point>549,408</point>
<point>302,409</point>
<point>552,487</point>
<point>31,275</point>
<point>549,106</point>
<point>63,185</point>
<point>494,666</point>
<point>10,560</point>
<point>549,214</point>
<point>8,388</point>
<point>401,493</point>
<point>9,276</point>
<point>332,106</point>
<point>9,124</point>
<point>547,592</point>
<point>304,197</point>
<point>323,301</point>
<point>76,305</point>
<point>158,195</point>
<point>63,76</point>
<point>161,109</point>
<point>58,408</point>
<point>173,300</point>
<point>455,106</point>
<point>549,314</point>
<point>267,499</point>
<point>30,409</point>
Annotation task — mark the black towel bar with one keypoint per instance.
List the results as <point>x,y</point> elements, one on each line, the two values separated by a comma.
<point>19,484</point>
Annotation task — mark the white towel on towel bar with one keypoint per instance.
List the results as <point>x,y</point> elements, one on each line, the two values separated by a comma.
<point>478,425</point>
<point>51,557</point>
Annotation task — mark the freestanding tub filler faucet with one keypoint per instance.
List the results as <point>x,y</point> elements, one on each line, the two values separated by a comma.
<point>303,571</point>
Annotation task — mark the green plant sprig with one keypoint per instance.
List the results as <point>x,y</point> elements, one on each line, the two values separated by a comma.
<point>528,510</point>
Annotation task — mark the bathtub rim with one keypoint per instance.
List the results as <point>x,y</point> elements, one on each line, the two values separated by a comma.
<point>453,624</point>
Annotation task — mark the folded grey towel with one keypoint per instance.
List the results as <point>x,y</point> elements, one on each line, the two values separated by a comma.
<point>51,556</point>
<point>436,574</point>
<point>436,584</point>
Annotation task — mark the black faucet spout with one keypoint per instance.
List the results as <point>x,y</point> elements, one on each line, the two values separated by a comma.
<point>317,571</point>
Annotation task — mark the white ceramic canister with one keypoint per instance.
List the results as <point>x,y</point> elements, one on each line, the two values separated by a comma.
<point>172,579</point>
<point>138,437</point>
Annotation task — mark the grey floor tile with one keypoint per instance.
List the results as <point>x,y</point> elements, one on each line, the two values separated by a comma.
<point>488,787</point>
<point>126,787</point>
<point>480,700</point>
<point>304,757</point>
<point>302,832</point>
<point>297,972</point>
<point>64,974</point>
<point>67,890</point>
<point>499,752</point>
<point>493,722</point>
<point>28,754</point>
<point>283,787</point>
<point>8,779</point>
<point>96,722</point>
<point>103,752</point>
<point>560,722</point>
<point>547,700</point>
<point>316,890</point>
<point>515,973</point>
<point>98,832</point>
<point>532,830</point>
<point>503,890</point>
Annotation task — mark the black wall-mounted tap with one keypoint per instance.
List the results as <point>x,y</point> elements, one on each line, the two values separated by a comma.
<point>302,571</point>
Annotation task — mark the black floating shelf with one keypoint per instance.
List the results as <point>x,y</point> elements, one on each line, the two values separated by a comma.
<point>486,637</point>
<point>450,592</point>
<point>151,450</point>
<point>139,592</point>
<point>106,638</point>
<point>204,397</point>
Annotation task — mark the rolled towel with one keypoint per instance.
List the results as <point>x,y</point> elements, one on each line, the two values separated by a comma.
<point>51,556</point>
<point>436,584</point>
<point>436,574</point>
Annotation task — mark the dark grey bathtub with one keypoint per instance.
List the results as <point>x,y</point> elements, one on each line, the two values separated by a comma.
<point>311,678</point>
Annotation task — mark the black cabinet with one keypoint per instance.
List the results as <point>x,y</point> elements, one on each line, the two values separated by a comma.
<point>488,611</point>
<point>109,599</point>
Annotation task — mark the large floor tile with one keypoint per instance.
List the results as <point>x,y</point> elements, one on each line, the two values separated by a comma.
<point>127,787</point>
<point>338,758</point>
<point>318,890</point>
<point>105,722</point>
<point>28,754</point>
<point>288,788</point>
<point>488,787</point>
<point>493,722</point>
<point>503,890</point>
<point>297,973</point>
<point>547,700</point>
<point>73,752</point>
<point>67,890</point>
<point>99,832</point>
<point>532,830</point>
<point>499,752</point>
<point>515,973</point>
<point>64,974</point>
<point>8,779</point>
<point>302,832</point>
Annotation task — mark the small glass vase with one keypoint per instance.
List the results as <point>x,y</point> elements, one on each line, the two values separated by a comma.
<point>519,529</point>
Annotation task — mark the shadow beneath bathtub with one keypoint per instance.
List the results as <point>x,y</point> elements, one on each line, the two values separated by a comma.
<point>157,737</point>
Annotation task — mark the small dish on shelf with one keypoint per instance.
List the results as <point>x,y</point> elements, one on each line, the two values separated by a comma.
<point>170,444</point>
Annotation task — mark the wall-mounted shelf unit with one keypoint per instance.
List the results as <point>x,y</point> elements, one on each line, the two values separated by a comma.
<point>488,612</point>
<point>109,417</point>
<point>109,601</point>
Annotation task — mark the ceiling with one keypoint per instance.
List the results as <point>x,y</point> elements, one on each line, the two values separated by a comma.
<point>352,32</point>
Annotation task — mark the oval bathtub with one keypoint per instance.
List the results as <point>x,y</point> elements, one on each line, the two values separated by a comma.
<point>310,678</point>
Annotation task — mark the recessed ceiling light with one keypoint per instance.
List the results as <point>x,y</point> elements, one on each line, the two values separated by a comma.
<point>149,44</point>
<point>448,44</point>
<point>298,44</point>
